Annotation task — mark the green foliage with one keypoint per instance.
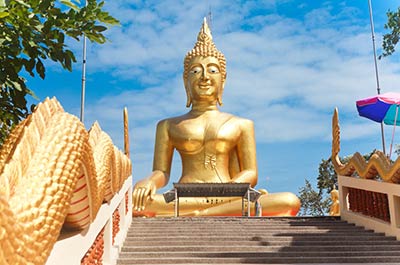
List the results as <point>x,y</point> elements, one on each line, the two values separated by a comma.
<point>12,106</point>
<point>317,203</point>
<point>32,31</point>
<point>327,178</point>
<point>391,39</point>
<point>312,202</point>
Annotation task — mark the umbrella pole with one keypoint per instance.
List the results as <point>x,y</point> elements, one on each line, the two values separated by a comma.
<point>371,20</point>
<point>394,129</point>
<point>383,139</point>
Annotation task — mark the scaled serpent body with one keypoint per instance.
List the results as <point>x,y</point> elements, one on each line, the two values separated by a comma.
<point>48,175</point>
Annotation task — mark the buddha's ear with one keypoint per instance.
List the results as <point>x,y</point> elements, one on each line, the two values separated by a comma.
<point>220,93</point>
<point>188,95</point>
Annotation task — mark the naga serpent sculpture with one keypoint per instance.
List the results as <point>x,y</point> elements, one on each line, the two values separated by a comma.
<point>53,173</point>
<point>378,164</point>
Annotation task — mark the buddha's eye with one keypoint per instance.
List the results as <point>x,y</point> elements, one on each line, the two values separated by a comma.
<point>195,70</point>
<point>213,70</point>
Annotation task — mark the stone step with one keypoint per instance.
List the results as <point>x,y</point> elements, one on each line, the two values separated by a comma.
<point>313,243</point>
<point>264,254</point>
<point>237,220</point>
<point>259,260</point>
<point>258,238</point>
<point>239,226</point>
<point>245,221</point>
<point>227,219</point>
<point>271,226</point>
<point>165,228</point>
<point>147,229</point>
<point>169,232</point>
<point>230,240</point>
<point>256,235</point>
<point>260,235</point>
<point>126,249</point>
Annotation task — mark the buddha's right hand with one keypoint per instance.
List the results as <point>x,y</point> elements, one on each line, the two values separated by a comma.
<point>143,191</point>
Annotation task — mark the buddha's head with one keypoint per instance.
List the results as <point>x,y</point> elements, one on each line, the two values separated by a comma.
<point>204,57</point>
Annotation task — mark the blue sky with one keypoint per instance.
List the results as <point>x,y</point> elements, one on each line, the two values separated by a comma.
<point>289,64</point>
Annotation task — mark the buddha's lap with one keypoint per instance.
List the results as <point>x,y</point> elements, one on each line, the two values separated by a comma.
<point>271,201</point>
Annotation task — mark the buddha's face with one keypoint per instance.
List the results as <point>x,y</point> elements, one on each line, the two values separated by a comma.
<point>204,80</point>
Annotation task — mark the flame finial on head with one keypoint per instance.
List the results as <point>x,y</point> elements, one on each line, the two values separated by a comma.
<point>205,47</point>
<point>204,39</point>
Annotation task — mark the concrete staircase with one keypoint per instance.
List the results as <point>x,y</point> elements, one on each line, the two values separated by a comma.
<point>254,241</point>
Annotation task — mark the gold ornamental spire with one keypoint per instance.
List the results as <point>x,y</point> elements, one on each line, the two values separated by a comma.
<point>204,39</point>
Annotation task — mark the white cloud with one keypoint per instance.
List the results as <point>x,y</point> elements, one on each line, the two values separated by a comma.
<point>285,74</point>
<point>303,68</point>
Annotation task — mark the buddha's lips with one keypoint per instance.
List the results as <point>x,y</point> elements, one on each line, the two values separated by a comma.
<point>205,86</point>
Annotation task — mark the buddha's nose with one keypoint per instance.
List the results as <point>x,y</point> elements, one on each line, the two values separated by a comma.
<point>205,75</point>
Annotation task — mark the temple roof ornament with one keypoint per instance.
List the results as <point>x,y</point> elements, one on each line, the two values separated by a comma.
<point>378,166</point>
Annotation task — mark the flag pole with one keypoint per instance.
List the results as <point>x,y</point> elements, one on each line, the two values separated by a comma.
<point>83,78</point>
<point>371,20</point>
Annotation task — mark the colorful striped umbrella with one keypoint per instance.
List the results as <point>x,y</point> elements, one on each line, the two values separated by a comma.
<point>381,108</point>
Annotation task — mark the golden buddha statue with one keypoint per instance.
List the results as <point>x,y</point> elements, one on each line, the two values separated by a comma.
<point>334,209</point>
<point>215,147</point>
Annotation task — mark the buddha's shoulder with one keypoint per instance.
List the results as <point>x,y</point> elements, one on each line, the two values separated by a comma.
<point>171,121</point>
<point>238,120</point>
<point>223,117</point>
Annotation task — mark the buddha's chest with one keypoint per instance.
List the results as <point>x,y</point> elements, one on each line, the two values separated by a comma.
<point>192,136</point>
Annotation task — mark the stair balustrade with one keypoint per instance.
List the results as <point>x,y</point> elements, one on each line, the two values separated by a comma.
<point>370,203</point>
<point>102,241</point>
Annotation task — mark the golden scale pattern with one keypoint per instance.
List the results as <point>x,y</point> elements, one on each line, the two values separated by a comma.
<point>52,170</point>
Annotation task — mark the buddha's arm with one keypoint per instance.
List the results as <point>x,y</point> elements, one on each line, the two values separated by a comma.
<point>145,189</point>
<point>246,152</point>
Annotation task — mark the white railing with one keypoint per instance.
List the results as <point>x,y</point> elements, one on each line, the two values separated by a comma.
<point>391,193</point>
<point>71,247</point>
